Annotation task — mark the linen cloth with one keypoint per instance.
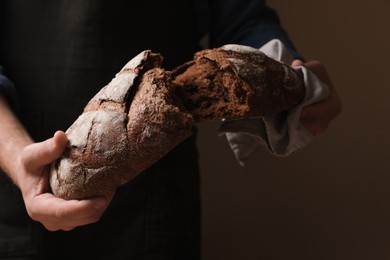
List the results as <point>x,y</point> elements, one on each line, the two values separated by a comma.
<point>282,134</point>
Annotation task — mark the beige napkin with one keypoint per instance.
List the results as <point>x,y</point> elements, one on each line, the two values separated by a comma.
<point>282,134</point>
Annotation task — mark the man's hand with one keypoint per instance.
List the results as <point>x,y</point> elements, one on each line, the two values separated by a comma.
<point>316,117</point>
<point>33,180</point>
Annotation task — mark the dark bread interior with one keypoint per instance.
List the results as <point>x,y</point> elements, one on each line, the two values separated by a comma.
<point>226,83</point>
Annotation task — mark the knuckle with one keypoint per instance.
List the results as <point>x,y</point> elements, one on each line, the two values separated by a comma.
<point>339,109</point>
<point>67,228</point>
<point>321,129</point>
<point>94,219</point>
<point>59,214</point>
<point>51,228</point>
<point>316,129</point>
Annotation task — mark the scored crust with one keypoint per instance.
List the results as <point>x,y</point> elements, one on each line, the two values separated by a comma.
<point>129,125</point>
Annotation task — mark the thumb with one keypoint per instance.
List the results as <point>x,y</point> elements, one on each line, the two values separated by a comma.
<point>40,154</point>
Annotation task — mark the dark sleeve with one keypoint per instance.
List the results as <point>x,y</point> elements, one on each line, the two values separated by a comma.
<point>246,22</point>
<point>7,89</point>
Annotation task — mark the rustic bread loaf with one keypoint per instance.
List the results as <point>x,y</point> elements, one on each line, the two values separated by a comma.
<point>130,124</point>
<point>145,111</point>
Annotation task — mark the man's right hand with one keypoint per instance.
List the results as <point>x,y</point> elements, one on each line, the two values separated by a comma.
<point>27,164</point>
<point>33,180</point>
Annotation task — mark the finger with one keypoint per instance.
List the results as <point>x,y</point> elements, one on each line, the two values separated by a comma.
<point>326,109</point>
<point>56,213</point>
<point>67,228</point>
<point>297,63</point>
<point>56,227</point>
<point>43,153</point>
<point>319,70</point>
<point>314,126</point>
<point>313,111</point>
<point>317,117</point>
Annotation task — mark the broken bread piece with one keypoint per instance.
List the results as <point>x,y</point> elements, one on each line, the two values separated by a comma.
<point>237,81</point>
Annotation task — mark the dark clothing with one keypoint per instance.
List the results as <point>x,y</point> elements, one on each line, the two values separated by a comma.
<point>155,216</point>
<point>59,54</point>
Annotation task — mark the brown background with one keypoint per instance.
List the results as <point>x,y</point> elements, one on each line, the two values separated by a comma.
<point>330,200</point>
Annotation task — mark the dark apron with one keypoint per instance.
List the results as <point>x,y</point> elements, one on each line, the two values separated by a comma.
<point>59,53</point>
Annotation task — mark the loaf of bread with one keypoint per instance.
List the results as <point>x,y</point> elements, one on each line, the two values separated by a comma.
<point>130,124</point>
<point>145,111</point>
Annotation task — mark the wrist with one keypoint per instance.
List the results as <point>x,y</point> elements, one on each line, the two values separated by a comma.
<point>13,139</point>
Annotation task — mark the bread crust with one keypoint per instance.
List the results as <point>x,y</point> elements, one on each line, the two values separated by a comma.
<point>129,125</point>
<point>145,111</point>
